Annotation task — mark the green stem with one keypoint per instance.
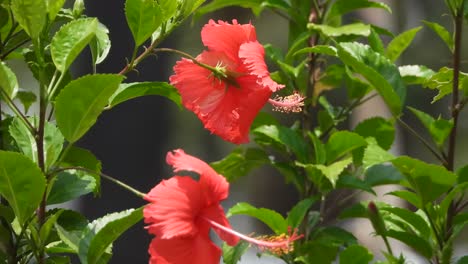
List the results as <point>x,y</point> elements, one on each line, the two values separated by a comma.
<point>51,91</point>
<point>455,109</point>
<point>18,112</point>
<point>423,141</point>
<point>440,242</point>
<point>105,176</point>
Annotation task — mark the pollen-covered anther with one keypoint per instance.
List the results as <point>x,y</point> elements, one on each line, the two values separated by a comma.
<point>288,104</point>
<point>279,244</point>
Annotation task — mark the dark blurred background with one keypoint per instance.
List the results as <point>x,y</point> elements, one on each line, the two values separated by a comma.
<point>132,139</point>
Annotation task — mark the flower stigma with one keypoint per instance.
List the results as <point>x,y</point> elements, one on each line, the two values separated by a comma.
<point>288,104</point>
<point>278,245</point>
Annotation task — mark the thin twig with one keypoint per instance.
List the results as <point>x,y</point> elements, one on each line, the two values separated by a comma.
<point>18,112</point>
<point>105,176</point>
<point>423,141</point>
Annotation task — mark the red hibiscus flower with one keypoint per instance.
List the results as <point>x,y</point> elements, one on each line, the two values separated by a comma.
<point>227,100</point>
<point>182,211</point>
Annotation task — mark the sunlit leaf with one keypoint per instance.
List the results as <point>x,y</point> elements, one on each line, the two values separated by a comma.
<point>82,101</point>
<point>70,40</point>
<point>400,43</point>
<point>272,219</point>
<point>8,81</point>
<point>442,33</point>
<point>144,17</point>
<point>127,91</point>
<point>101,233</point>
<point>429,181</point>
<point>22,184</point>
<point>232,255</point>
<point>378,70</point>
<point>342,143</point>
<point>358,29</point>
<point>415,74</point>
<point>31,15</point>
<point>299,211</point>
<point>100,44</point>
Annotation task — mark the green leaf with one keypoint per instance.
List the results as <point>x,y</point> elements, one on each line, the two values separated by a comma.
<point>342,7</point>
<point>355,254</point>
<point>272,219</point>
<point>70,227</point>
<point>353,182</point>
<point>335,236</point>
<point>70,40</point>
<point>375,42</point>
<point>78,157</point>
<point>189,6</point>
<point>378,70</point>
<point>70,185</point>
<point>26,99</point>
<point>320,49</point>
<point>81,102</point>
<point>415,74</point>
<point>240,162</point>
<point>443,81</point>
<point>462,174</point>
<point>400,43</point>
<point>100,44</point>
<point>332,171</point>
<point>298,212</point>
<point>358,29</point>
<point>442,33</point>
<point>342,143</point>
<point>23,138</point>
<point>379,128</point>
<point>463,260</point>
<point>255,5</point>
<point>232,255</point>
<point>22,184</point>
<point>168,8</point>
<point>320,152</point>
<point>429,181</point>
<point>144,17</point>
<point>47,226</point>
<point>374,154</point>
<point>417,243</point>
<point>439,128</point>
<point>382,174</point>
<point>31,15</point>
<point>53,144</point>
<point>8,81</point>
<point>101,233</point>
<point>412,218</point>
<point>129,91</point>
<point>53,8</point>
<point>285,137</point>
<point>408,196</point>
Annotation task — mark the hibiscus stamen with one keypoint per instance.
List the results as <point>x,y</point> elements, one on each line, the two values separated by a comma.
<point>278,245</point>
<point>287,104</point>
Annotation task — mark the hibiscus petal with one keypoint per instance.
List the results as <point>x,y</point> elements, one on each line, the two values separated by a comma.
<point>216,213</point>
<point>226,37</point>
<point>174,204</point>
<point>252,55</point>
<point>195,250</point>
<point>214,186</point>
<point>201,92</point>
